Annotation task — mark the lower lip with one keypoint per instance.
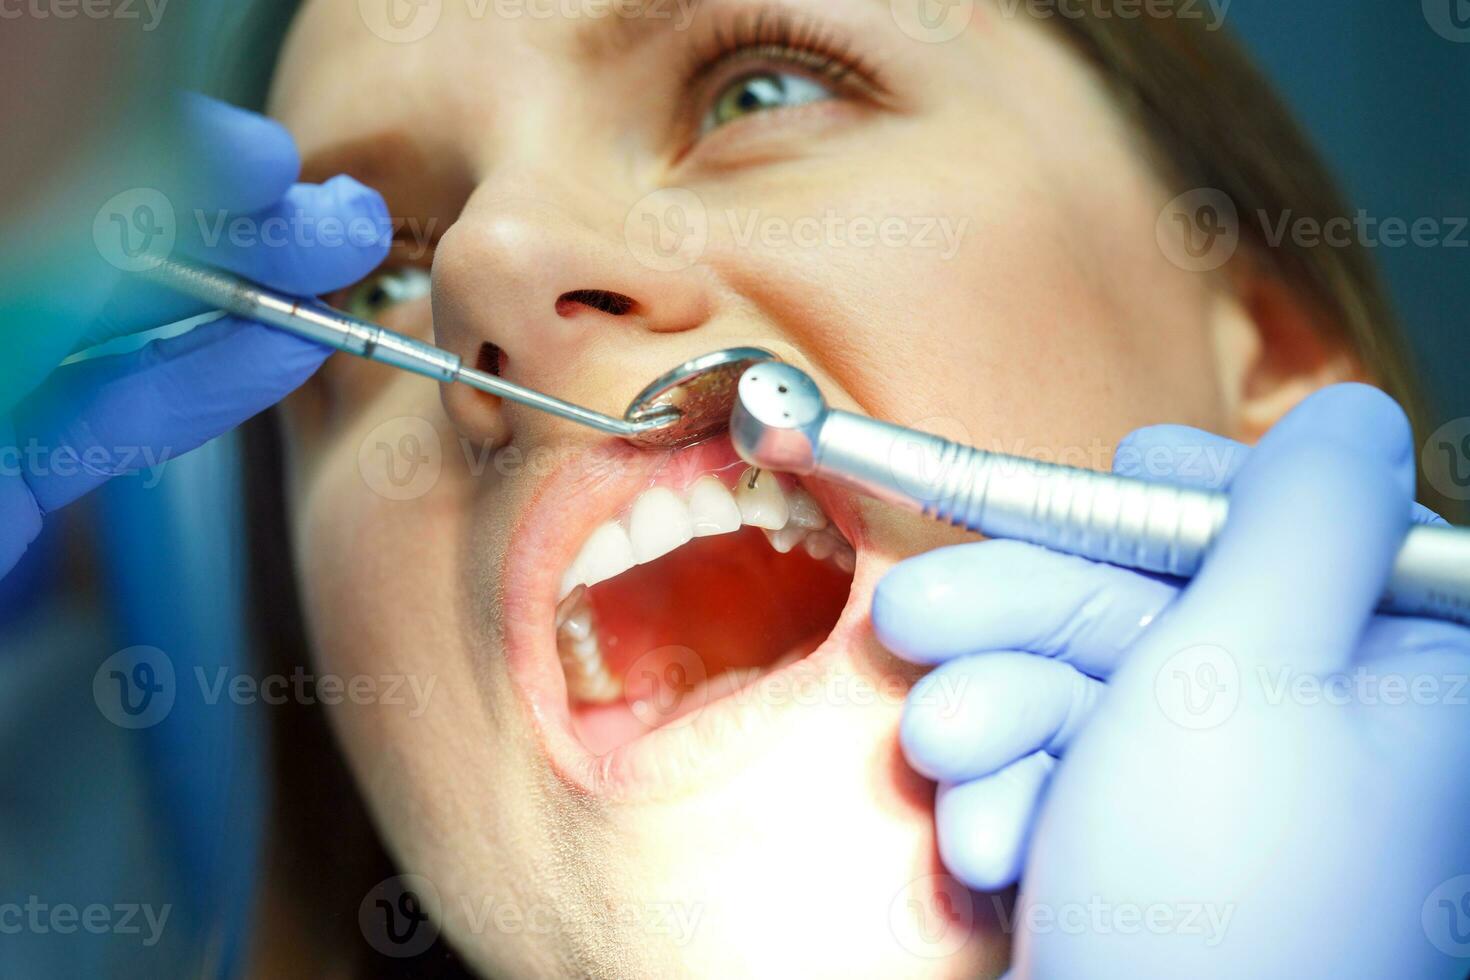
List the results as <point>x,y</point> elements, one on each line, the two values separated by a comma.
<point>708,739</point>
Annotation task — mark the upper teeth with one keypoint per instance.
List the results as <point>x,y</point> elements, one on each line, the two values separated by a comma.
<point>662,519</point>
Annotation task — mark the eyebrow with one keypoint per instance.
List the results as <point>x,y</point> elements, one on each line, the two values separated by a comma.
<point>631,23</point>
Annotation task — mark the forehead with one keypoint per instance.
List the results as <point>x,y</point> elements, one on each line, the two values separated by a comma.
<point>440,63</point>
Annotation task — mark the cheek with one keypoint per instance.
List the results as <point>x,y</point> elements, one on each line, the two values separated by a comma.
<point>1010,305</point>
<point>380,497</point>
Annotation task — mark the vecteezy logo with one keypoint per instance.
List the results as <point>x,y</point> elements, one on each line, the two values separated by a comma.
<point>932,21</point>
<point>1450,19</point>
<point>134,688</point>
<point>136,229</point>
<point>1199,231</point>
<point>930,470</point>
<point>401,459</point>
<point>932,916</point>
<point>1447,459</point>
<point>1198,687</point>
<point>399,917</point>
<point>667,230</point>
<point>664,685</point>
<point>400,21</point>
<point>1445,917</point>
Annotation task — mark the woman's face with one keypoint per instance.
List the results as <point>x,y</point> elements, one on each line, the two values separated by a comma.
<point>958,235</point>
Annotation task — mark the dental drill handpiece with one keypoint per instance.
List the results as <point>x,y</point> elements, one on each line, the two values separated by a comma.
<point>781,422</point>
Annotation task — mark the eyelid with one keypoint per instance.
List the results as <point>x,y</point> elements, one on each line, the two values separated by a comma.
<point>777,32</point>
<point>738,42</point>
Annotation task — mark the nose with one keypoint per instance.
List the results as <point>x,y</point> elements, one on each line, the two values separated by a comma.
<point>527,289</point>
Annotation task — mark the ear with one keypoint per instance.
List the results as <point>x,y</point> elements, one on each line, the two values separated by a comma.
<point>1274,348</point>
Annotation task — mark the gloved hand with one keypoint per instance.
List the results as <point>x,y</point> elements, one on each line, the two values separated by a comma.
<point>1265,751</point>
<point>236,205</point>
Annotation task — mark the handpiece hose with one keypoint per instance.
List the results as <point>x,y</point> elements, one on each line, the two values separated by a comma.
<point>781,422</point>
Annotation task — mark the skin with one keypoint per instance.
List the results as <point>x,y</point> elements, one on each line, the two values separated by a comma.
<point>805,846</point>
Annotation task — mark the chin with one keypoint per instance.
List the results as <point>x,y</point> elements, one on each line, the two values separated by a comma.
<point>689,647</point>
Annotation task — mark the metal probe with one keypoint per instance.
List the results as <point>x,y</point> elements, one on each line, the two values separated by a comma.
<point>780,421</point>
<point>684,406</point>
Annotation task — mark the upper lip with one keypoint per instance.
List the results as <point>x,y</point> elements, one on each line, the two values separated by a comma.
<point>601,482</point>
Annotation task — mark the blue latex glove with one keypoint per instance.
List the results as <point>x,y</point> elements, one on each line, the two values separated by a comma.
<point>97,419</point>
<point>1318,831</point>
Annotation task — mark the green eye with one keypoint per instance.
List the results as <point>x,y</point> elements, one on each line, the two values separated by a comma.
<point>761,92</point>
<point>385,289</point>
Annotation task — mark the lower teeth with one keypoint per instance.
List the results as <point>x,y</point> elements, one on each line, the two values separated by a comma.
<point>588,679</point>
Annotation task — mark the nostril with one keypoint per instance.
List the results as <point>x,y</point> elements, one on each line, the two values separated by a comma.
<point>615,304</point>
<point>489,359</point>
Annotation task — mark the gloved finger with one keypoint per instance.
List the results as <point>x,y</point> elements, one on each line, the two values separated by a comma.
<point>1395,637</point>
<point>22,515</point>
<point>97,419</point>
<point>1181,455</point>
<point>317,239</point>
<point>230,158</point>
<point>1317,516</point>
<point>975,715</point>
<point>984,825</point>
<point>1196,458</point>
<point>1009,595</point>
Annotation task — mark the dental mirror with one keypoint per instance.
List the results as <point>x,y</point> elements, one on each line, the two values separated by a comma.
<point>701,391</point>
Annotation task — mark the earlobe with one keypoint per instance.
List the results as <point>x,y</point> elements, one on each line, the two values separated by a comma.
<point>1273,348</point>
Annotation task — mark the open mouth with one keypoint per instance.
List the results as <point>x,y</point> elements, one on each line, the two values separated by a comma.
<point>693,593</point>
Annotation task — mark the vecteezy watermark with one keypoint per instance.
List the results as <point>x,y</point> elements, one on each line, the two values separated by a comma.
<point>300,229</point>
<point>1199,687</point>
<point>1365,230</point>
<point>40,918</point>
<point>1200,230</point>
<point>1445,917</point>
<point>400,916</point>
<point>670,229</point>
<point>137,10</point>
<point>932,916</point>
<point>300,687</point>
<point>1208,921</point>
<point>676,922</point>
<point>1365,685</point>
<point>135,688</point>
<point>402,458</point>
<point>33,460</point>
<point>407,21</point>
<point>665,686</point>
<point>135,229</point>
<point>1450,19</point>
<point>1211,12</point>
<point>667,230</point>
<point>400,21</point>
<point>835,230</point>
<point>1446,459</point>
<point>932,21</point>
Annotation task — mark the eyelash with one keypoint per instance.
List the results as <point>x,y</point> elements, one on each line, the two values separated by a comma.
<point>775,34</point>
